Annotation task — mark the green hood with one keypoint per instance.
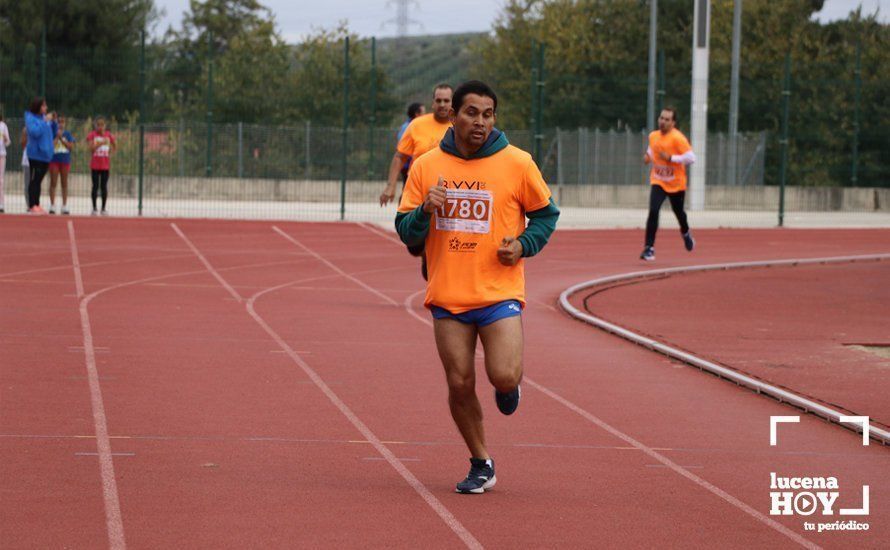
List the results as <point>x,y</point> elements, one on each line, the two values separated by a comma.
<point>496,142</point>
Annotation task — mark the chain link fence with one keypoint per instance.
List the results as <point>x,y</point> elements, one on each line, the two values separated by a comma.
<point>205,162</point>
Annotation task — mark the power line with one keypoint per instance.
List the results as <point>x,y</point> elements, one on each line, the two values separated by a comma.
<point>402,20</point>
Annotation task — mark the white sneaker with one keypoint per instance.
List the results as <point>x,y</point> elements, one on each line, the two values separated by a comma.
<point>65,211</point>
<point>52,209</point>
<point>105,212</point>
<point>94,212</point>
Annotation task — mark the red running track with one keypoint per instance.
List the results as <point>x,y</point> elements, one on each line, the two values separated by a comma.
<point>268,388</point>
<point>798,327</point>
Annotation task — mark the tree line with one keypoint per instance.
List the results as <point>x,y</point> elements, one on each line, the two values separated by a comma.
<point>594,69</point>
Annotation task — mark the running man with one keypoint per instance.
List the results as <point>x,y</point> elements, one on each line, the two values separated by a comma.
<point>466,202</point>
<point>669,153</point>
<point>423,134</point>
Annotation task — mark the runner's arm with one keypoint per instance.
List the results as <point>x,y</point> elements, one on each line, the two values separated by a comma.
<point>685,159</point>
<point>395,166</point>
<point>413,226</point>
<point>541,224</point>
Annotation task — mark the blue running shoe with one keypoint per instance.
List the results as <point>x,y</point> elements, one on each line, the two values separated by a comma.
<point>480,479</point>
<point>688,241</point>
<point>507,402</point>
<point>648,254</point>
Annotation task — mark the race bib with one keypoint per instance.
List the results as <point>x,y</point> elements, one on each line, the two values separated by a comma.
<point>465,210</point>
<point>104,147</point>
<point>663,173</point>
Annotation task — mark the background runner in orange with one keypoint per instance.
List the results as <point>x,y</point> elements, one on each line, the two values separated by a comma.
<point>422,134</point>
<point>669,153</point>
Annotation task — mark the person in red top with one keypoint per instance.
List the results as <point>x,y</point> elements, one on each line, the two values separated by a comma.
<point>669,153</point>
<point>102,144</point>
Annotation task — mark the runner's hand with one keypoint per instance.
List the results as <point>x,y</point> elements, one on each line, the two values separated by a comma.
<point>510,251</point>
<point>435,198</point>
<point>389,194</point>
<point>664,156</point>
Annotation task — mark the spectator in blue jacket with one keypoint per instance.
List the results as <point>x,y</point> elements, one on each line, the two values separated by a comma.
<point>42,129</point>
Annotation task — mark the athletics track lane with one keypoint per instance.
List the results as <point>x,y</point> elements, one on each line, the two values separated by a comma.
<point>563,481</point>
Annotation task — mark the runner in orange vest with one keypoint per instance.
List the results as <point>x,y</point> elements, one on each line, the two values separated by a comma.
<point>422,134</point>
<point>669,153</point>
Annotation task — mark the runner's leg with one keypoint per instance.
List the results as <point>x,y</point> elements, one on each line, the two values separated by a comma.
<point>656,198</point>
<point>456,343</point>
<point>502,342</point>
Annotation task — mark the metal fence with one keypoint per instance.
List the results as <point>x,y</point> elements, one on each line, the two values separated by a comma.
<point>591,156</point>
<point>799,155</point>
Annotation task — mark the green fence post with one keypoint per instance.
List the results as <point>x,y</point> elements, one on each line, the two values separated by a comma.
<point>43,61</point>
<point>345,128</point>
<point>534,92</point>
<point>854,175</point>
<point>539,114</point>
<point>240,149</point>
<point>141,119</point>
<point>208,168</point>
<point>662,85</point>
<point>373,122</point>
<point>783,163</point>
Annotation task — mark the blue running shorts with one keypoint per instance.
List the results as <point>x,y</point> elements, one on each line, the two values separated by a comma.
<point>482,316</point>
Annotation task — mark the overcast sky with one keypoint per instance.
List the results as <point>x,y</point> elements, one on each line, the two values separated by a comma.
<point>296,18</point>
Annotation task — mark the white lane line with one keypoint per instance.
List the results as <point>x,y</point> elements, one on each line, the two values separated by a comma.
<point>94,264</point>
<point>450,520</point>
<point>440,509</point>
<point>649,451</point>
<point>207,264</point>
<point>381,233</point>
<point>781,394</point>
<point>335,268</point>
<point>113,521</point>
<point>97,454</point>
<point>646,449</point>
<point>381,459</point>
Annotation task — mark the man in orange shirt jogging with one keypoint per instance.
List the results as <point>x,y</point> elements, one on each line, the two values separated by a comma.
<point>669,153</point>
<point>422,135</point>
<point>466,202</point>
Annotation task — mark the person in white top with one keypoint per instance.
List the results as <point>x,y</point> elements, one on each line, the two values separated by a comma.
<point>4,142</point>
